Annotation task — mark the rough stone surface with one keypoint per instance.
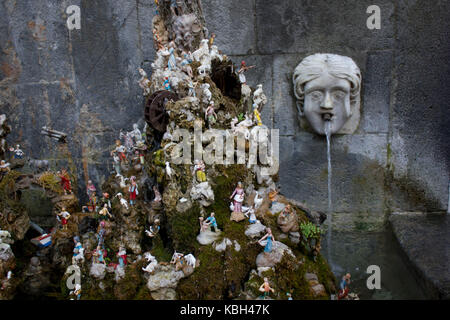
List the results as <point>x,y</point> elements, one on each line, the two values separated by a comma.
<point>207,237</point>
<point>255,230</point>
<point>98,270</point>
<point>272,258</point>
<point>164,277</point>
<point>48,73</point>
<point>425,239</point>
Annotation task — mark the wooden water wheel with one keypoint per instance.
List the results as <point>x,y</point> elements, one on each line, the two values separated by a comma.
<point>155,112</point>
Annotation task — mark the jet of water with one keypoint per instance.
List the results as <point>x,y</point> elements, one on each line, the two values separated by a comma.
<point>330,206</point>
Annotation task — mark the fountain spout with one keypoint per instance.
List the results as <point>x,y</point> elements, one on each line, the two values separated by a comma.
<point>327,116</point>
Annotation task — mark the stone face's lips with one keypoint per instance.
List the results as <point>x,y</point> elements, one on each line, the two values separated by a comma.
<point>327,116</point>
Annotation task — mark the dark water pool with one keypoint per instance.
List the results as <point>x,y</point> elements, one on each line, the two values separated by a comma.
<point>354,251</point>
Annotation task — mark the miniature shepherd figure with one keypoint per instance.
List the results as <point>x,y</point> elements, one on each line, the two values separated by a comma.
<point>343,292</point>
<point>133,190</point>
<point>65,216</point>
<point>65,181</point>
<point>265,288</point>
<point>211,221</point>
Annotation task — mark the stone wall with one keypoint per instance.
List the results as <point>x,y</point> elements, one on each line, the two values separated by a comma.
<point>84,82</point>
<point>399,156</point>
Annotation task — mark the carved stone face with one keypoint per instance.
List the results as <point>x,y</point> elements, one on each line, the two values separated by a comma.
<point>327,87</point>
<point>327,97</point>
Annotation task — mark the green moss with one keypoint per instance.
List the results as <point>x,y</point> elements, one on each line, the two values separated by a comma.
<point>50,181</point>
<point>184,228</point>
<point>161,253</point>
<point>143,294</point>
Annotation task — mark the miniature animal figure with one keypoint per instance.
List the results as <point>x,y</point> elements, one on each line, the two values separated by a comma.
<point>122,181</point>
<point>4,247</point>
<point>257,200</point>
<point>4,234</point>
<point>206,93</point>
<point>202,55</point>
<point>168,169</point>
<point>152,262</point>
<point>215,55</point>
<point>190,260</point>
<point>38,165</point>
<point>123,201</point>
<point>242,127</point>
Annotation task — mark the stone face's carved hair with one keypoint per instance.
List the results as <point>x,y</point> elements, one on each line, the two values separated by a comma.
<point>315,65</point>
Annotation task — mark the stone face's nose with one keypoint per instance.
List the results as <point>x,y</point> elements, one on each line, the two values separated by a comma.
<point>327,103</point>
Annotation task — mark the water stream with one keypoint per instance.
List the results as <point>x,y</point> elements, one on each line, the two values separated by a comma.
<point>330,205</point>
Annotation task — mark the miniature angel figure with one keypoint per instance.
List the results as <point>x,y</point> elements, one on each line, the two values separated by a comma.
<point>203,224</point>
<point>120,151</point>
<point>104,212</point>
<point>238,199</point>
<point>199,170</point>
<point>65,181</point>
<point>154,229</point>
<point>18,153</point>
<point>257,115</point>
<point>122,254</point>
<point>133,190</point>
<point>211,221</point>
<point>265,288</point>
<point>65,216</point>
<point>270,238</point>
<point>210,114</point>
<point>99,255</point>
<point>241,72</point>
<point>144,83</point>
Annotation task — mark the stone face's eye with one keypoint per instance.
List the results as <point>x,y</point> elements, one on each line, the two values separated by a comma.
<point>316,95</point>
<point>339,95</point>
